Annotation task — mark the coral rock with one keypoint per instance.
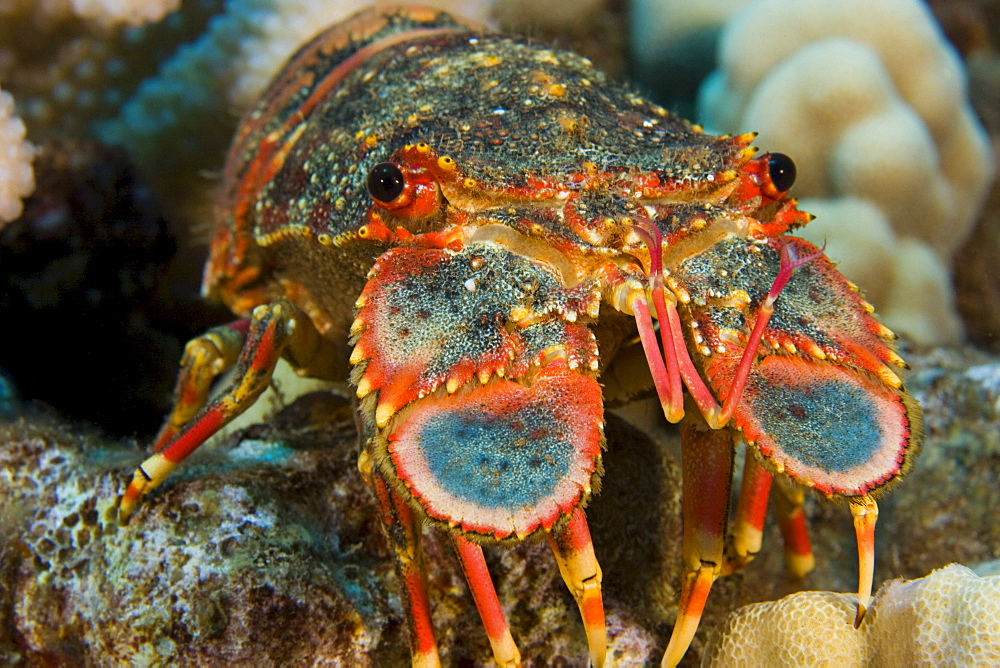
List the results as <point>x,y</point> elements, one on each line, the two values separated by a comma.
<point>870,101</point>
<point>950,617</point>
<point>219,570</point>
<point>810,628</point>
<point>17,179</point>
<point>265,549</point>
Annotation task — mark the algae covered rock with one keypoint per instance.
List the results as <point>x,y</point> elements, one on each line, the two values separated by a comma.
<point>235,565</point>
<point>266,548</point>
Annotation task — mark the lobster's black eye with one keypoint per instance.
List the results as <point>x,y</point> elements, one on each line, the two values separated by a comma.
<point>781,169</point>
<point>385,182</point>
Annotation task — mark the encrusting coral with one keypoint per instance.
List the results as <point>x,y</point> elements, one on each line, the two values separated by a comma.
<point>870,101</point>
<point>265,548</point>
<point>17,179</point>
<point>950,617</point>
<point>267,553</point>
<point>259,583</point>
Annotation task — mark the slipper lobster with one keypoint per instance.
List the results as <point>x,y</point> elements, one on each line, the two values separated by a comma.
<point>488,225</point>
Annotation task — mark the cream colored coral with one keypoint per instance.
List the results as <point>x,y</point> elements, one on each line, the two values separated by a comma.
<point>870,102</point>
<point>950,617</point>
<point>131,12</point>
<point>812,628</point>
<point>104,12</point>
<point>17,179</point>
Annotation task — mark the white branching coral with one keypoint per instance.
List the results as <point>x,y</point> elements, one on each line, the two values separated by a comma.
<point>17,178</point>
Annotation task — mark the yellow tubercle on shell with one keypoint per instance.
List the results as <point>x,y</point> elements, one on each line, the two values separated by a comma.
<point>357,355</point>
<point>383,413</point>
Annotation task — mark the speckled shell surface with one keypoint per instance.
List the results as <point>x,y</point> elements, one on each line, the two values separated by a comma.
<point>509,112</point>
<point>512,140</point>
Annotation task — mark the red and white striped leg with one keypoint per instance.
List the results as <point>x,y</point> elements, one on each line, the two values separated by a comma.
<point>707,464</point>
<point>484,594</point>
<point>574,552</point>
<point>403,528</point>
<point>268,332</point>
<point>788,508</point>
<point>747,530</point>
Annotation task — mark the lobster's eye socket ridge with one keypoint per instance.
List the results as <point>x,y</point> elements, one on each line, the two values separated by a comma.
<point>385,182</point>
<point>781,170</point>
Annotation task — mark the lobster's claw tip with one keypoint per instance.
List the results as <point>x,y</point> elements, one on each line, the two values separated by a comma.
<point>133,493</point>
<point>860,616</point>
<point>694,593</point>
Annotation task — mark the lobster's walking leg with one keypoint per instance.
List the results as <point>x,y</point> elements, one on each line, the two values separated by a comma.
<point>402,527</point>
<point>707,465</point>
<point>788,508</point>
<point>267,334</point>
<point>205,358</point>
<point>574,553</point>
<point>748,523</point>
<point>865,512</point>
<point>484,594</point>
